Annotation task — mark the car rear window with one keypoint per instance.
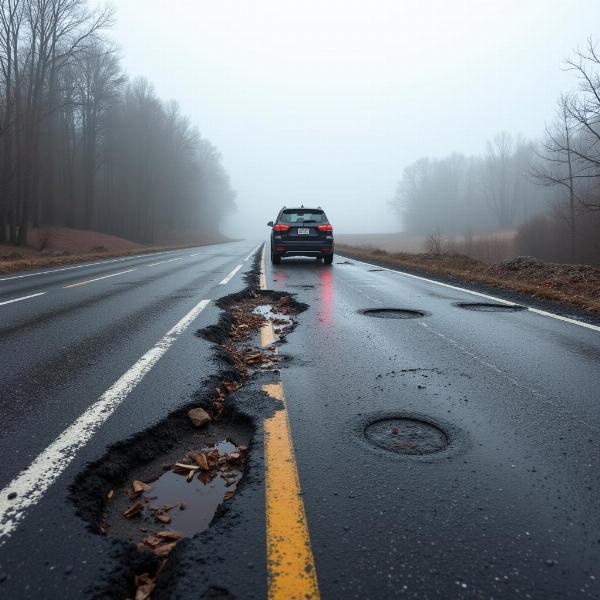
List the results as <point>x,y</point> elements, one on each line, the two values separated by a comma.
<point>300,215</point>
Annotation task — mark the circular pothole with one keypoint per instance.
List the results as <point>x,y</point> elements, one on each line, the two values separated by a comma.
<point>407,436</point>
<point>393,313</point>
<point>490,306</point>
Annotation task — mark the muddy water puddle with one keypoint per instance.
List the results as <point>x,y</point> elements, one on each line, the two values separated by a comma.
<point>282,323</point>
<point>183,500</point>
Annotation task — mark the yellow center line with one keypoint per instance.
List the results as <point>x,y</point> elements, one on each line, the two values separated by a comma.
<point>263,280</point>
<point>291,573</point>
<point>97,279</point>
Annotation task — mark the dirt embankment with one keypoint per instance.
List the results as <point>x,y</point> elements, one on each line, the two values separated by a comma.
<point>574,284</point>
<point>57,246</point>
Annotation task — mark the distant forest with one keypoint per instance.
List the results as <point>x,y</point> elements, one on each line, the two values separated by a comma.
<point>548,191</point>
<point>83,146</point>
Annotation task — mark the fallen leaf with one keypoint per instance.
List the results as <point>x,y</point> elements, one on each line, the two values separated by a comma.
<point>163,518</point>
<point>145,586</point>
<point>165,549</point>
<point>167,507</point>
<point>198,416</point>
<point>110,494</point>
<point>190,475</point>
<point>201,460</point>
<point>229,495</point>
<point>169,535</point>
<point>231,386</point>
<point>152,541</point>
<point>186,467</point>
<point>133,510</point>
<point>140,486</point>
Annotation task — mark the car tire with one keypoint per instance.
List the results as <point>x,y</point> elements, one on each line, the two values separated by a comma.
<point>328,260</point>
<point>275,258</point>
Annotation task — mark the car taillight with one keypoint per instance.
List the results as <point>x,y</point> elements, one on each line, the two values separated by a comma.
<point>327,227</point>
<point>281,227</point>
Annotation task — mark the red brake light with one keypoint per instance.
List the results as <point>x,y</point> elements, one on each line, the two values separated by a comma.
<point>327,227</point>
<point>281,227</point>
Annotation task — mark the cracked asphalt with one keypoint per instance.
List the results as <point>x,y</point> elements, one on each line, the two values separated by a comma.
<point>508,510</point>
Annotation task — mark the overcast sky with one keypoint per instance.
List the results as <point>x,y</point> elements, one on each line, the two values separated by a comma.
<point>324,102</point>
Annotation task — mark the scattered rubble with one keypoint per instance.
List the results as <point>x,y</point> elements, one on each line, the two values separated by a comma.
<point>190,464</point>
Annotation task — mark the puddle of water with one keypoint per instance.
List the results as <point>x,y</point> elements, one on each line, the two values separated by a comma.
<point>188,504</point>
<point>201,501</point>
<point>406,436</point>
<point>279,320</point>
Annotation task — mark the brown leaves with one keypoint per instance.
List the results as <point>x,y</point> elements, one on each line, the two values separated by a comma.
<point>163,518</point>
<point>231,386</point>
<point>200,459</point>
<point>134,510</point>
<point>169,535</point>
<point>144,586</point>
<point>140,486</point>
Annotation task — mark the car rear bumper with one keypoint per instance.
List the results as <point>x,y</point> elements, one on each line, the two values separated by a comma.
<point>309,248</point>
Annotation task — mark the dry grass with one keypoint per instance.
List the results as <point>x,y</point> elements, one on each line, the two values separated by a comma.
<point>41,262</point>
<point>574,284</point>
<point>59,246</point>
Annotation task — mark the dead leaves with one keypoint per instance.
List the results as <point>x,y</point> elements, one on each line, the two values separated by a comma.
<point>134,509</point>
<point>140,486</point>
<point>200,459</point>
<point>144,586</point>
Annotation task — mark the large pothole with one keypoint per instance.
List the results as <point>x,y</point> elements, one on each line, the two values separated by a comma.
<point>409,436</point>
<point>393,313</point>
<point>174,480</point>
<point>490,306</point>
<point>179,492</point>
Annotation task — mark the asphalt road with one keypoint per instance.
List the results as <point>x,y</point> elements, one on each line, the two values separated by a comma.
<point>511,511</point>
<point>61,352</point>
<point>508,510</point>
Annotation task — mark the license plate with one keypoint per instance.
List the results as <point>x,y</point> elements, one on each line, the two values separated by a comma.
<point>303,231</point>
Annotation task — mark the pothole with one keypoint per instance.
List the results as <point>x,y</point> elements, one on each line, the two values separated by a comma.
<point>393,313</point>
<point>155,511</point>
<point>282,322</point>
<point>490,306</point>
<point>174,480</point>
<point>409,436</point>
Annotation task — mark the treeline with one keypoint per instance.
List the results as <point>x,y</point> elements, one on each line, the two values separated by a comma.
<point>549,191</point>
<point>82,146</point>
<point>459,194</point>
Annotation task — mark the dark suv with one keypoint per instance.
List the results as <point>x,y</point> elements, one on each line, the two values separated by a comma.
<point>301,232</point>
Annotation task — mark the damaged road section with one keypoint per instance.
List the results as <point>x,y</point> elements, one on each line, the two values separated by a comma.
<point>175,480</point>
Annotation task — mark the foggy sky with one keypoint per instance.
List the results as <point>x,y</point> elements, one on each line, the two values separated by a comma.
<point>324,102</point>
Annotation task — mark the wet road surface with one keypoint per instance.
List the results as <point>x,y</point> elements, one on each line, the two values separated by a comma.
<point>503,505</point>
<point>510,509</point>
<point>69,349</point>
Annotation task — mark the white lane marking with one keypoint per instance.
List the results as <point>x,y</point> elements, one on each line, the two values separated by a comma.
<point>22,298</point>
<point>230,276</point>
<point>102,262</point>
<point>252,253</point>
<point>33,482</point>
<point>566,319</point>
<point>460,289</point>
<point>97,279</point>
<point>162,262</point>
